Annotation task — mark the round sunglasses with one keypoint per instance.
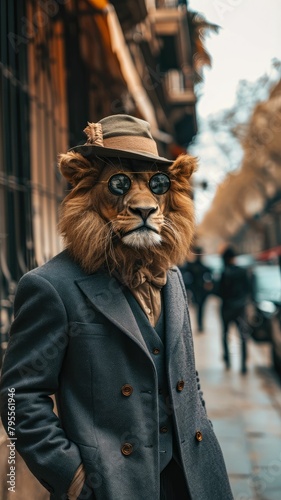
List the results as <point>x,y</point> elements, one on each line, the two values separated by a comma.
<point>119,184</point>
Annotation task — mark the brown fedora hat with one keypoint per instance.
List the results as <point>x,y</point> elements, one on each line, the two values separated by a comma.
<point>121,136</point>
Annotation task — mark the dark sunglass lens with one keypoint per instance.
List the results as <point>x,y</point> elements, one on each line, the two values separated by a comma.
<point>159,183</point>
<point>119,184</point>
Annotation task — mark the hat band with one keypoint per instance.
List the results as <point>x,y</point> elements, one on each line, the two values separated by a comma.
<point>132,143</point>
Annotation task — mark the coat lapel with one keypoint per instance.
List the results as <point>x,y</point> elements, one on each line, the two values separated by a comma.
<point>106,294</point>
<point>175,305</point>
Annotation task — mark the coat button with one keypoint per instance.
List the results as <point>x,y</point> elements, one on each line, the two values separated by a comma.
<point>164,429</point>
<point>127,390</point>
<point>127,449</point>
<point>180,385</point>
<point>156,351</point>
<point>199,436</point>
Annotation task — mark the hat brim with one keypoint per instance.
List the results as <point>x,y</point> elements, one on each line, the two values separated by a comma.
<point>90,151</point>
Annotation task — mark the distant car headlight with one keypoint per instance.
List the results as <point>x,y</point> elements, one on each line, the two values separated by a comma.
<point>267,307</point>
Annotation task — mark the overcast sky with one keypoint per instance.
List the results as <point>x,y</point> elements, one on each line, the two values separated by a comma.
<point>250,37</point>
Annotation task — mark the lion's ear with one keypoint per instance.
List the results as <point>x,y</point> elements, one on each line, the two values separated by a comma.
<point>74,167</point>
<point>184,166</point>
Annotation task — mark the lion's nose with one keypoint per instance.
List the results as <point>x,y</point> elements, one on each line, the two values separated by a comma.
<point>143,212</point>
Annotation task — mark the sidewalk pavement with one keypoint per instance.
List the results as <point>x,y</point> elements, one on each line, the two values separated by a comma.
<point>245,409</point>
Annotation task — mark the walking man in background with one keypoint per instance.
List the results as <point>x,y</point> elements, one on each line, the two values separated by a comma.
<point>234,290</point>
<point>198,280</point>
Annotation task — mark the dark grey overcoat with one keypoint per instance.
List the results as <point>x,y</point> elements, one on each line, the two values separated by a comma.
<point>75,336</point>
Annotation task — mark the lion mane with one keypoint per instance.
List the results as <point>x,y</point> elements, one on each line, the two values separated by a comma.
<point>90,238</point>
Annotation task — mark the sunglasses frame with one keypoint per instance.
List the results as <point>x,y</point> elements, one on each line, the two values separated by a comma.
<point>131,180</point>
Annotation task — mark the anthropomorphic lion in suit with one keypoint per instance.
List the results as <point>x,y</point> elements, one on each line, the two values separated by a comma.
<point>105,327</point>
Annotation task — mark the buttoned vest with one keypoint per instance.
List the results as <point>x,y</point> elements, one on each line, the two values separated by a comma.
<point>154,338</point>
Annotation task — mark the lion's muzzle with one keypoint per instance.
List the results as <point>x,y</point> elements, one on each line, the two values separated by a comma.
<point>143,212</point>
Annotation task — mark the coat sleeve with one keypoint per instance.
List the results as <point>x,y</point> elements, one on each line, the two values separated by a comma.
<point>31,369</point>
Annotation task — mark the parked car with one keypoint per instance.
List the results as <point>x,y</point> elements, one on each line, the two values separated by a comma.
<point>276,340</point>
<point>267,283</point>
<point>266,297</point>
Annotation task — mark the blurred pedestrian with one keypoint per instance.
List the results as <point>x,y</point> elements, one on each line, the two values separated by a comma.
<point>234,290</point>
<point>198,280</point>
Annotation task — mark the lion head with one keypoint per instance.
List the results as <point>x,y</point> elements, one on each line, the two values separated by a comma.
<point>125,214</point>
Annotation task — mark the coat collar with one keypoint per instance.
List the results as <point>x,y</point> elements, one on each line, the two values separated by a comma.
<point>106,294</point>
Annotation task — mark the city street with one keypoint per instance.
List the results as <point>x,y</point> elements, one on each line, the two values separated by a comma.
<point>134,136</point>
<point>245,410</point>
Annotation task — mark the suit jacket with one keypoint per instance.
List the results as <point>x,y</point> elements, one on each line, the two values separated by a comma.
<point>75,336</point>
